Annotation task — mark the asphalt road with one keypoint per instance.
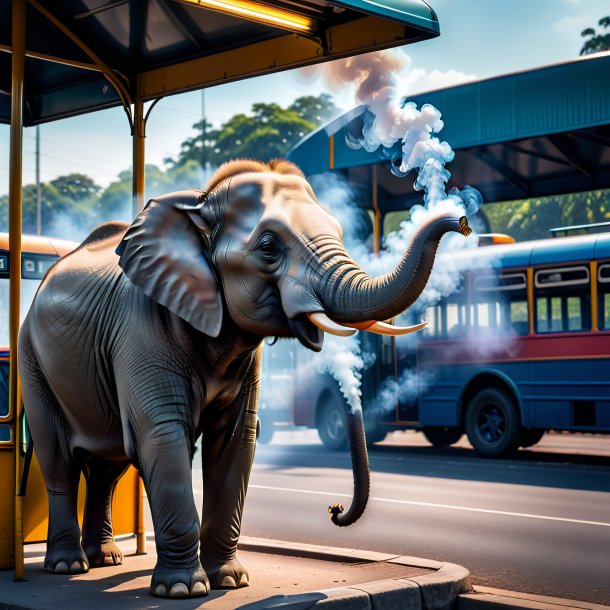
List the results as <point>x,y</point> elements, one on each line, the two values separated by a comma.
<point>537,523</point>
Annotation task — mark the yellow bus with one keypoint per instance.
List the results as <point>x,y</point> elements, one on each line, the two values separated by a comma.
<point>38,254</point>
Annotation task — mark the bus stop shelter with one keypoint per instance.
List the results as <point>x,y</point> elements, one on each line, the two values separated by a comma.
<point>535,133</point>
<point>70,57</point>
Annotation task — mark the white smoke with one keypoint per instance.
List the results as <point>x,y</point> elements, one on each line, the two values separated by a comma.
<point>387,119</point>
<point>406,389</point>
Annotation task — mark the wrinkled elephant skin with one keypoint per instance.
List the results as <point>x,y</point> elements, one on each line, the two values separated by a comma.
<point>149,336</point>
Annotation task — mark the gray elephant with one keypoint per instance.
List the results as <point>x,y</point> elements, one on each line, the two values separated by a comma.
<point>149,336</point>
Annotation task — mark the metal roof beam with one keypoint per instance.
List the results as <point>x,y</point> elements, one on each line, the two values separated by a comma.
<point>538,155</point>
<point>283,52</point>
<point>119,82</point>
<point>590,136</point>
<point>568,149</point>
<point>484,155</point>
<point>54,59</point>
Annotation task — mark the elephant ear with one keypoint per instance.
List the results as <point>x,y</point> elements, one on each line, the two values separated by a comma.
<point>165,254</point>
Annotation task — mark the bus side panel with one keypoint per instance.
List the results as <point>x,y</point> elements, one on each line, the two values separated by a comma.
<point>36,505</point>
<point>7,507</point>
<point>573,394</point>
<point>440,404</point>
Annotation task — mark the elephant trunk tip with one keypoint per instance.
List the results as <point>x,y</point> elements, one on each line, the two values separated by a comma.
<point>335,510</point>
<point>464,229</point>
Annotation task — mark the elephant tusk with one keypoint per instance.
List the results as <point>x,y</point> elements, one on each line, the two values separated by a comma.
<point>382,328</point>
<point>361,325</point>
<point>323,322</point>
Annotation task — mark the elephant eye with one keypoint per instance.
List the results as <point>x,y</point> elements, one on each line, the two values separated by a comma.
<point>269,248</point>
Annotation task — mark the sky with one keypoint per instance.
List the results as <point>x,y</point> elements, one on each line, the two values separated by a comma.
<point>479,39</point>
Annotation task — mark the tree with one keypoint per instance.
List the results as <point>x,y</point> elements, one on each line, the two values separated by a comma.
<point>595,42</point>
<point>269,131</point>
<point>76,187</point>
<point>317,110</point>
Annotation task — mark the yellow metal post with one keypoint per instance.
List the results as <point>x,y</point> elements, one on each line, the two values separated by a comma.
<point>14,223</point>
<point>138,135</point>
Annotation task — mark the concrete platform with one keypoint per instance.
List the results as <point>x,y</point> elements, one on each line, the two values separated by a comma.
<point>283,575</point>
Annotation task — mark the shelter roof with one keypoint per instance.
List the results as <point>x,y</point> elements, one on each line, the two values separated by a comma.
<point>85,55</point>
<point>539,132</point>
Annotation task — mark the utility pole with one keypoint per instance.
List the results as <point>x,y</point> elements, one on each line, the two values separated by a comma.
<point>38,189</point>
<point>203,153</point>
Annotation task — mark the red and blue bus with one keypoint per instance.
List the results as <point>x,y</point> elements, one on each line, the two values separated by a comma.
<point>521,347</point>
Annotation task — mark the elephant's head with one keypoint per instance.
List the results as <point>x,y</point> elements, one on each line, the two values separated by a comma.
<point>257,249</point>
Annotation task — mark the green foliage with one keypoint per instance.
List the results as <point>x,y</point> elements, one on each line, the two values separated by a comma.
<point>595,42</point>
<point>533,218</point>
<point>268,132</point>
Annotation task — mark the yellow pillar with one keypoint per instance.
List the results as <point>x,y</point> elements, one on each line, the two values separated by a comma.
<point>138,135</point>
<point>14,224</point>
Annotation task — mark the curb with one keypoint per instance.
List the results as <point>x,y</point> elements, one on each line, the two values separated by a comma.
<point>498,599</point>
<point>436,591</point>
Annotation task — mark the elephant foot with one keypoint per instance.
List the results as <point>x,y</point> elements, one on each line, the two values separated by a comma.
<point>103,554</point>
<point>175,582</point>
<point>66,561</point>
<point>227,575</point>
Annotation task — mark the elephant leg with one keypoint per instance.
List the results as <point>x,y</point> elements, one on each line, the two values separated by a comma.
<point>60,468</point>
<point>98,541</point>
<point>228,451</point>
<point>165,460</point>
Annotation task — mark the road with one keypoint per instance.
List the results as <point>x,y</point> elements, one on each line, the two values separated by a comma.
<point>537,523</point>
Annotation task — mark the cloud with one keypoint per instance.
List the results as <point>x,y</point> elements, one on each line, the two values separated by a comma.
<point>570,26</point>
<point>419,80</point>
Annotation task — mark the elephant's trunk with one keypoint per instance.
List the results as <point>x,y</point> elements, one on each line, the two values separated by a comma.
<point>350,295</point>
<point>360,468</point>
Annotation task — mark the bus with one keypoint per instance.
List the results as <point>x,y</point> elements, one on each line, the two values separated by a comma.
<point>38,254</point>
<point>521,347</point>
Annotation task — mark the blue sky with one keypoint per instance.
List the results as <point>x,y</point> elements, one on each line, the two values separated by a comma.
<point>479,38</point>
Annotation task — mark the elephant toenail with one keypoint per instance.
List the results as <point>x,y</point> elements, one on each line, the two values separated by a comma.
<point>228,582</point>
<point>161,590</point>
<point>61,566</point>
<point>199,589</point>
<point>76,566</point>
<point>244,581</point>
<point>179,590</point>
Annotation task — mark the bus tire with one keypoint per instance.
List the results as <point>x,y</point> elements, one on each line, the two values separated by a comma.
<point>492,424</point>
<point>332,425</point>
<point>375,434</point>
<point>443,436</point>
<point>264,431</point>
<point>528,437</point>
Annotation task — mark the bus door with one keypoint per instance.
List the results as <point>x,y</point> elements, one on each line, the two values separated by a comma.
<point>378,352</point>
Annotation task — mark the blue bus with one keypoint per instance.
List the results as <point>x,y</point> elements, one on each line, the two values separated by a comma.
<point>521,347</point>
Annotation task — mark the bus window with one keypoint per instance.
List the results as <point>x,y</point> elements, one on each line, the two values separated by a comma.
<point>603,304</point>
<point>33,268</point>
<point>4,388</point>
<point>433,317</point>
<point>562,298</point>
<point>393,220</point>
<point>500,303</point>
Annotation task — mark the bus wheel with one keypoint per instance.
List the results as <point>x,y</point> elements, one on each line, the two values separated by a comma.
<point>492,425</point>
<point>375,434</point>
<point>332,426</point>
<point>528,437</point>
<point>443,436</point>
<point>264,431</point>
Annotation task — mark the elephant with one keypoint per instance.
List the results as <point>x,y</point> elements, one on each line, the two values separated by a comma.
<point>148,336</point>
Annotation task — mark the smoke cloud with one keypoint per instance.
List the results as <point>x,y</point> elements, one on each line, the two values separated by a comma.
<point>389,118</point>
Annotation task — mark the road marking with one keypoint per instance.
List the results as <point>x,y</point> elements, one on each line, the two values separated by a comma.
<point>435,505</point>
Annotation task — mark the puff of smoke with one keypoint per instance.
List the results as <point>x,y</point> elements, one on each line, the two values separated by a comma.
<point>406,389</point>
<point>341,358</point>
